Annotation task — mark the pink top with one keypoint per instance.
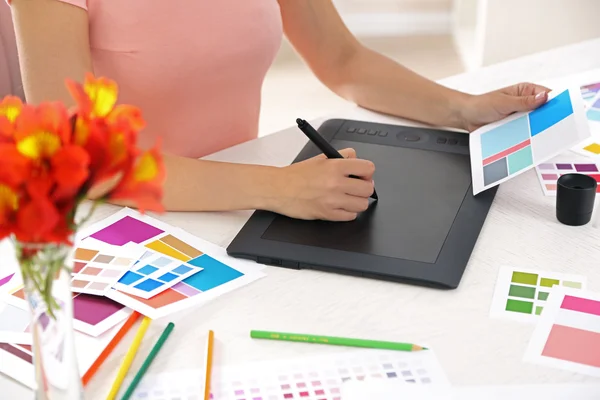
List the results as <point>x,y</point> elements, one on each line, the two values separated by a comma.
<point>194,67</point>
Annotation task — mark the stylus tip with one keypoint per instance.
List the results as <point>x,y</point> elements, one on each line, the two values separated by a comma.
<point>299,121</point>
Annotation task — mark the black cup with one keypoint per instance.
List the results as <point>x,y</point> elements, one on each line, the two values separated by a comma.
<point>575,197</point>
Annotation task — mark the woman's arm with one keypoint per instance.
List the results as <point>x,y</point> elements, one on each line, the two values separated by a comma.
<point>54,45</point>
<point>376,82</point>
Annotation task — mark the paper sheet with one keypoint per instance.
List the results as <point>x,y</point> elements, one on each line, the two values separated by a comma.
<point>221,273</point>
<point>567,335</point>
<point>507,148</point>
<point>549,172</point>
<point>310,378</point>
<point>521,293</point>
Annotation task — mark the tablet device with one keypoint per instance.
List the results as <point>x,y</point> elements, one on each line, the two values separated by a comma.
<point>422,229</point>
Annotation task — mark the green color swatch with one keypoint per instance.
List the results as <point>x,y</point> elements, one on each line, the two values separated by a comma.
<point>519,306</point>
<point>543,295</point>
<point>549,282</point>
<point>522,291</point>
<point>576,285</point>
<point>520,160</point>
<point>524,277</point>
<point>538,310</point>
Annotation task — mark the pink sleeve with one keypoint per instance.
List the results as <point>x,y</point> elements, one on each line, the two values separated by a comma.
<point>77,3</point>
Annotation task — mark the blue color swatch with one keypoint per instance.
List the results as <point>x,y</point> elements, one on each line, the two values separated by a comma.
<point>504,137</point>
<point>147,270</point>
<point>214,274</point>
<point>168,277</point>
<point>182,269</point>
<point>520,160</point>
<point>552,112</point>
<point>129,278</point>
<point>593,114</point>
<point>149,285</point>
<point>161,262</point>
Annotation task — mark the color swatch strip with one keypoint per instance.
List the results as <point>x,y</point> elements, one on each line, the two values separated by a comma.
<point>568,333</point>
<point>548,174</point>
<point>96,268</point>
<point>521,294</point>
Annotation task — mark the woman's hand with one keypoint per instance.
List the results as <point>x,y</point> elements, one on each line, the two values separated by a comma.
<point>490,107</point>
<point>320,188</point>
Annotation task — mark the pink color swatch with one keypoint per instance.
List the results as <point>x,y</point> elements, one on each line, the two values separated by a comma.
<point>572,344</point>
<point>586,306</point>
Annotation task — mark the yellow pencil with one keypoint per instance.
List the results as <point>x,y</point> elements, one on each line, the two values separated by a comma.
<point>128,360</point>
<point>209,357</point>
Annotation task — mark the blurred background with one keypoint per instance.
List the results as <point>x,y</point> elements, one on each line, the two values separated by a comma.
<point>435,38</point>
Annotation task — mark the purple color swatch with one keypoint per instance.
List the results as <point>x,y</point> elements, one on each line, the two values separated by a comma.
<point>546,166</point>
<point>127,230</point>
<point>94,309</point>
<point>6,279</point>
<point>564,166</point>
<point>185,289</point>
<point>586,167</point>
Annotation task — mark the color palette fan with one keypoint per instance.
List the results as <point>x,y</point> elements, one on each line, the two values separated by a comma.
<point>548,174</point>
<point>505,149</point>
<point>521,294</point>
<point>568,333</point>
<point>308,378</point>
<point>217,272</point>
<point>98,266</point>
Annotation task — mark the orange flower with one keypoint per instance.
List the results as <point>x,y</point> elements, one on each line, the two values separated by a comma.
<point>10,108</point>
<point>96,98</point>
<point>14,167</point>
<point>36,219</point>
<point>70,166</point>
<point>41,131</point>
<point>142,184</point>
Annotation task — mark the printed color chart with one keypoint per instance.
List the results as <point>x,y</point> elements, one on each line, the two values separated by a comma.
<point>568,334</point>
<point>218,273</point>
<point>507,148</point>
<point>548,174</point>
<point>310,378</point>
<point>591,97</point>
<point>155,273</point>
<point>93,315</point>
<point>521,294</point>
<point>98,266</point>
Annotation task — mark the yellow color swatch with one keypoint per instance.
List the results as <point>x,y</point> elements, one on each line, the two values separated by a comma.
<point>167,250</point>
<point>593,148</point>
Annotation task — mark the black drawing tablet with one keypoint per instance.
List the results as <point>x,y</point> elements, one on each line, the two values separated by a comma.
<point>422,229</point>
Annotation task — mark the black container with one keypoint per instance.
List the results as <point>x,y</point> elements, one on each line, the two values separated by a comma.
<point>575,196</point>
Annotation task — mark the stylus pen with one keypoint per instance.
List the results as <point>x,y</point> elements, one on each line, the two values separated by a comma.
<point>323,145</point>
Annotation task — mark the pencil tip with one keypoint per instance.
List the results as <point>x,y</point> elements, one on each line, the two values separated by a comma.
<point>299,121</point>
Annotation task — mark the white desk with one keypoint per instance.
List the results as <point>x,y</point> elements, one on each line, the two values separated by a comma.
<point>521,230</point>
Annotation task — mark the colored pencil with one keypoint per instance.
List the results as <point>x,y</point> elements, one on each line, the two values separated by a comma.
<point>111,346</point>
<point>337,341</point>
<point>209,357</point>
<point>138,377</point>
<point>135,345</point>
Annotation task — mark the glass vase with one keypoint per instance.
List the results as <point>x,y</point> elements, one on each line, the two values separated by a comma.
<point>47,287</point>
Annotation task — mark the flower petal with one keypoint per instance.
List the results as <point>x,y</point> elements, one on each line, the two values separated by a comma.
<point>103,94</point>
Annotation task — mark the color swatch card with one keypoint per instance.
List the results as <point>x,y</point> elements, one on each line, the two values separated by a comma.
<point>98,266</point>
<point>307,378</point>
<point>589,92</point>
<point>591,146</point>
<point>548,174</point>
<point>218,273</point>
<point>16,361</point>
<point>568,333</point>
<point>14,324</point>
<point>505,149</point>
<point>521,294</point>
<point>154,273</point>
<point>92,315</point>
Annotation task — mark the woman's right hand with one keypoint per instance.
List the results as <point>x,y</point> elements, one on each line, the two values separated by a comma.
<point>320,188</point>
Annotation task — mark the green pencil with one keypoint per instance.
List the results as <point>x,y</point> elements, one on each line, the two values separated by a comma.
<point>336,341</point>
<point>138,377</point>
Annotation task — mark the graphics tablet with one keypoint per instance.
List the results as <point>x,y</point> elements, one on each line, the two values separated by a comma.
<point>422,229</point>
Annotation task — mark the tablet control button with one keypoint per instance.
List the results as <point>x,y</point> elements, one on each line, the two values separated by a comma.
<point>383,133</point>
<point>441,140</point>
<point>351,130</point>
<point>412,138</point>
<point>372,132</point>
<point>362,131</point>
<point>452,141</point>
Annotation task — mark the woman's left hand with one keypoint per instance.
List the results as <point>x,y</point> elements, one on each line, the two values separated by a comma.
<point>483,109</point>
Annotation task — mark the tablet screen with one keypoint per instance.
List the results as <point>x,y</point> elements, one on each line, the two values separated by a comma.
<point>420,193</point>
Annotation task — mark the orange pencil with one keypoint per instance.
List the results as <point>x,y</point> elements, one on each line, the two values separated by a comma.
<point>111,346</point>
<point>209,357</point>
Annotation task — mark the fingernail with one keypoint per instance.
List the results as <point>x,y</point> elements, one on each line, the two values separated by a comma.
<point>539,95</point>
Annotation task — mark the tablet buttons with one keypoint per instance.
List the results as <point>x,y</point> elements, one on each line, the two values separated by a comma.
<point>383,133</point>
<point>412,138</point>
<point>351,130</point>
<point>441,140</point>
<point>371,132</point>
<point>362,131</point>
<point>452,141</point>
